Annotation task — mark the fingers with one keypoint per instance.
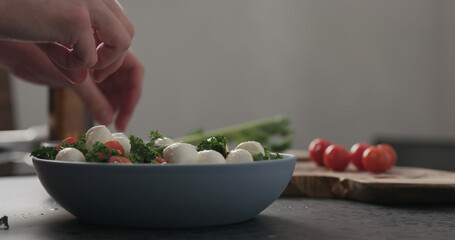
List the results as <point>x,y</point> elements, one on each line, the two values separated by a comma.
<point>100,75</point>
<point>117,9</point>
<point>115,38</point>
<point>136,73</point>
<point>98,38</point>
<point>28,62</point>
<point>95,102</point>
<point>82,53</point>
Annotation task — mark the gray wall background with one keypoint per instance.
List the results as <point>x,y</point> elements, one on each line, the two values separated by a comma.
<point>346,70</point>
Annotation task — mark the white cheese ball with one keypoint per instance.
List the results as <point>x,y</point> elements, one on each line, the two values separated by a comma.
<point>210,156</point>
<point>252,146</point>
<point>180,153</point>
<point>95,134</point>
<point>70,155</point>
<point>124,141</point>
<point>163,142</point>
<point>238,156</point>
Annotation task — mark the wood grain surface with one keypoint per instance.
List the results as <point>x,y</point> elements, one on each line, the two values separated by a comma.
<point>398,185</point>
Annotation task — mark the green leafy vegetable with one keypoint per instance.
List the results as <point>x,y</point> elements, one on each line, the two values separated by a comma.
<point>154,135</point>
<point>157,150</point>
<point>100,153</point>
<point>45,153</point>
<point>140,152</point>
<point>267,156</point>
<point>79,145</point>
<point>273,132</point>
<point>217,143</point>
<point>4,222</point>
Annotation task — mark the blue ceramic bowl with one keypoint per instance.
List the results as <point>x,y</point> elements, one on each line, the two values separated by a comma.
<point>165,196</point>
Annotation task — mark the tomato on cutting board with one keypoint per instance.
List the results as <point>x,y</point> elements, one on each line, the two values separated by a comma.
<point>336,157</point>
<point>391,154</point>
<point>355,155</point>
<point>376,159</point>
<point>316,150</point>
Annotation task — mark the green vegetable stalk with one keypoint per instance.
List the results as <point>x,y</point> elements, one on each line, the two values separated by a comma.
<point>262,130</point>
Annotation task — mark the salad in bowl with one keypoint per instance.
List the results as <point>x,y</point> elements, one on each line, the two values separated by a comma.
<point>99,145</point>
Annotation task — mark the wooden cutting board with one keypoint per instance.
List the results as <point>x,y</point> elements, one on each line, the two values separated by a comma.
<point>398,185</point>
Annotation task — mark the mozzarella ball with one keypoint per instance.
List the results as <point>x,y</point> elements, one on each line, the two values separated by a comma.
<point>210,156</point>
<point>163,142</point>
<point>238,156</point>
<point>124,141</point>
<point>95,134</point>
<point>70,155</point>
<point>180,153</point>
<point>252,147</point>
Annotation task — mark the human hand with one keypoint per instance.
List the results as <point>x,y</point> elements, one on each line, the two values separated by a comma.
<point>74,34</point>
<point>119,93</point>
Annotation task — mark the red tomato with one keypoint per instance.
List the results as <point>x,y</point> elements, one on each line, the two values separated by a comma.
<point>119,159</point>
<point>115,145</point>
<point>336,157</point>
<point>161,160</point>
<point>392,155</point>
<point>316,150</point>
<point>355,155</point>
<point>100,155</point>
<point>69,140</point>
<point>376,159</point>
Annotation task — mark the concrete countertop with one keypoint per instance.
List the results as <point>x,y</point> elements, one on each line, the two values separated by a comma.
<point>34,215</point>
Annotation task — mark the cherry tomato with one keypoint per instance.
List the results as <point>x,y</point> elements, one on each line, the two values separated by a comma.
<point>100,155</point>
<point>392,155</point>
<point>316,150</point>
<point>115,145</point>
<point>161,160</point>
<point>119,159</point>
<point>336,157</point>
<point>69,140</point>
<point>375,159</point>
<point>355,155</point>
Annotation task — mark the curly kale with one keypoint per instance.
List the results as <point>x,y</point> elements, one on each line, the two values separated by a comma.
<point>157,150</point>
<point>267,156</point>
<point>217,143</point>
<point>79,145</point>
<point>154,135</point>
<point>45,153</point>
<point>100,153</point>
<point>140,152</point>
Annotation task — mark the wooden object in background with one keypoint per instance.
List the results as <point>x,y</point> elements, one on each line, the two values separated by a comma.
<point>6,108</point>
<point>67,115</point>
<point>398,185</point>
<point>302,155</point>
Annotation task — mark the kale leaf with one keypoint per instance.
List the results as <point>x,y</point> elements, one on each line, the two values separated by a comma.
<point>45,153</point>
<point>100,153</point>
<point>140,152</point>
<point>267,156</point>
<point>155,135</point>
<point>217,143</point>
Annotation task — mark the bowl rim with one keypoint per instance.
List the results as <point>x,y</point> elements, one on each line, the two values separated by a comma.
<point>286,157</point>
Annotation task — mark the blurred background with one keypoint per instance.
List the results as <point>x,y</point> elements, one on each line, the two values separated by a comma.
<point>345,70</point>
